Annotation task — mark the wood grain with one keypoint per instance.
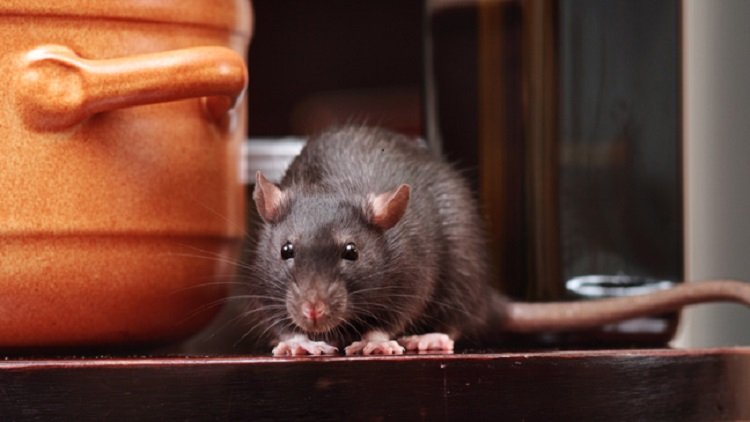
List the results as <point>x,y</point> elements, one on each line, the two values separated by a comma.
<point>585,385</point>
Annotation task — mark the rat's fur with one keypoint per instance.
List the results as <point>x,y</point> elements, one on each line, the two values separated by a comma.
<point>427,273</point>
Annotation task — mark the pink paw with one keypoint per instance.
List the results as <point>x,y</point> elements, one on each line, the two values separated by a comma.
<point>375,347</point>
<point>300,345</point>
<point>425,342</point>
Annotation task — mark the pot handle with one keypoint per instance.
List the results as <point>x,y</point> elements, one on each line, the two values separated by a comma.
<point>57,89</point>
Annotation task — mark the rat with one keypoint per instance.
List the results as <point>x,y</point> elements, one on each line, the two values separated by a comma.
<point>372,243</point>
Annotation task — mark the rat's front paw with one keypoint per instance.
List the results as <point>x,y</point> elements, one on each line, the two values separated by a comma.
<point>375,347</point>
<point>300,345</point>
<point>375,342</point>
<point>425,342</point>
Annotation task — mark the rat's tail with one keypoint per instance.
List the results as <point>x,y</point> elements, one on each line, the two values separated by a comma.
<point>565,316</point>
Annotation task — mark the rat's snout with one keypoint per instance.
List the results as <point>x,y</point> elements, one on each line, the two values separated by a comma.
<point>314,309</point>
<point>316,306</point>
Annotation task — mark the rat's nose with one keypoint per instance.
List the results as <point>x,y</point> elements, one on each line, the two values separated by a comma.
<point>314,310</point>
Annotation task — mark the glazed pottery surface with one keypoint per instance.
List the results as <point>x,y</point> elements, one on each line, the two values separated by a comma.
<point>121,200</point>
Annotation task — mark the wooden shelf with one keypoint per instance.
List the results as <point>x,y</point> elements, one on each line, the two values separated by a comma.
<point>656,384</point>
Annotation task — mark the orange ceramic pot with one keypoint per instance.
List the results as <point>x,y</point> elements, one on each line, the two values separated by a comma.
<point>121,201</point>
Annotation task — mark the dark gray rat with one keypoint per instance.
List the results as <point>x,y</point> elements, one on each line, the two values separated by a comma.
<point>373,243</point>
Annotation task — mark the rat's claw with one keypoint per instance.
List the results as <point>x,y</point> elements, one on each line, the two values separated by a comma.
<point>424,342</point>
<point>281,349</point>
<point>300,345</point>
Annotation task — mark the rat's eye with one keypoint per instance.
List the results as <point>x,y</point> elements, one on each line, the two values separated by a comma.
<point>287,251</point>
<point>350,252</point>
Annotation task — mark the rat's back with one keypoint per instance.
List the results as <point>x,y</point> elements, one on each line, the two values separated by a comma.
<point>363,160</point>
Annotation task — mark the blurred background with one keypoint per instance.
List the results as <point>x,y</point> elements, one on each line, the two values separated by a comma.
<point>314,64</point>
<point>606,140</point>
<point>717,101</point>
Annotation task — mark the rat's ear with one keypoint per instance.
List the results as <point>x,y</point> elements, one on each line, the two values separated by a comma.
<point>268,198</point>
<point>388,208</point>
